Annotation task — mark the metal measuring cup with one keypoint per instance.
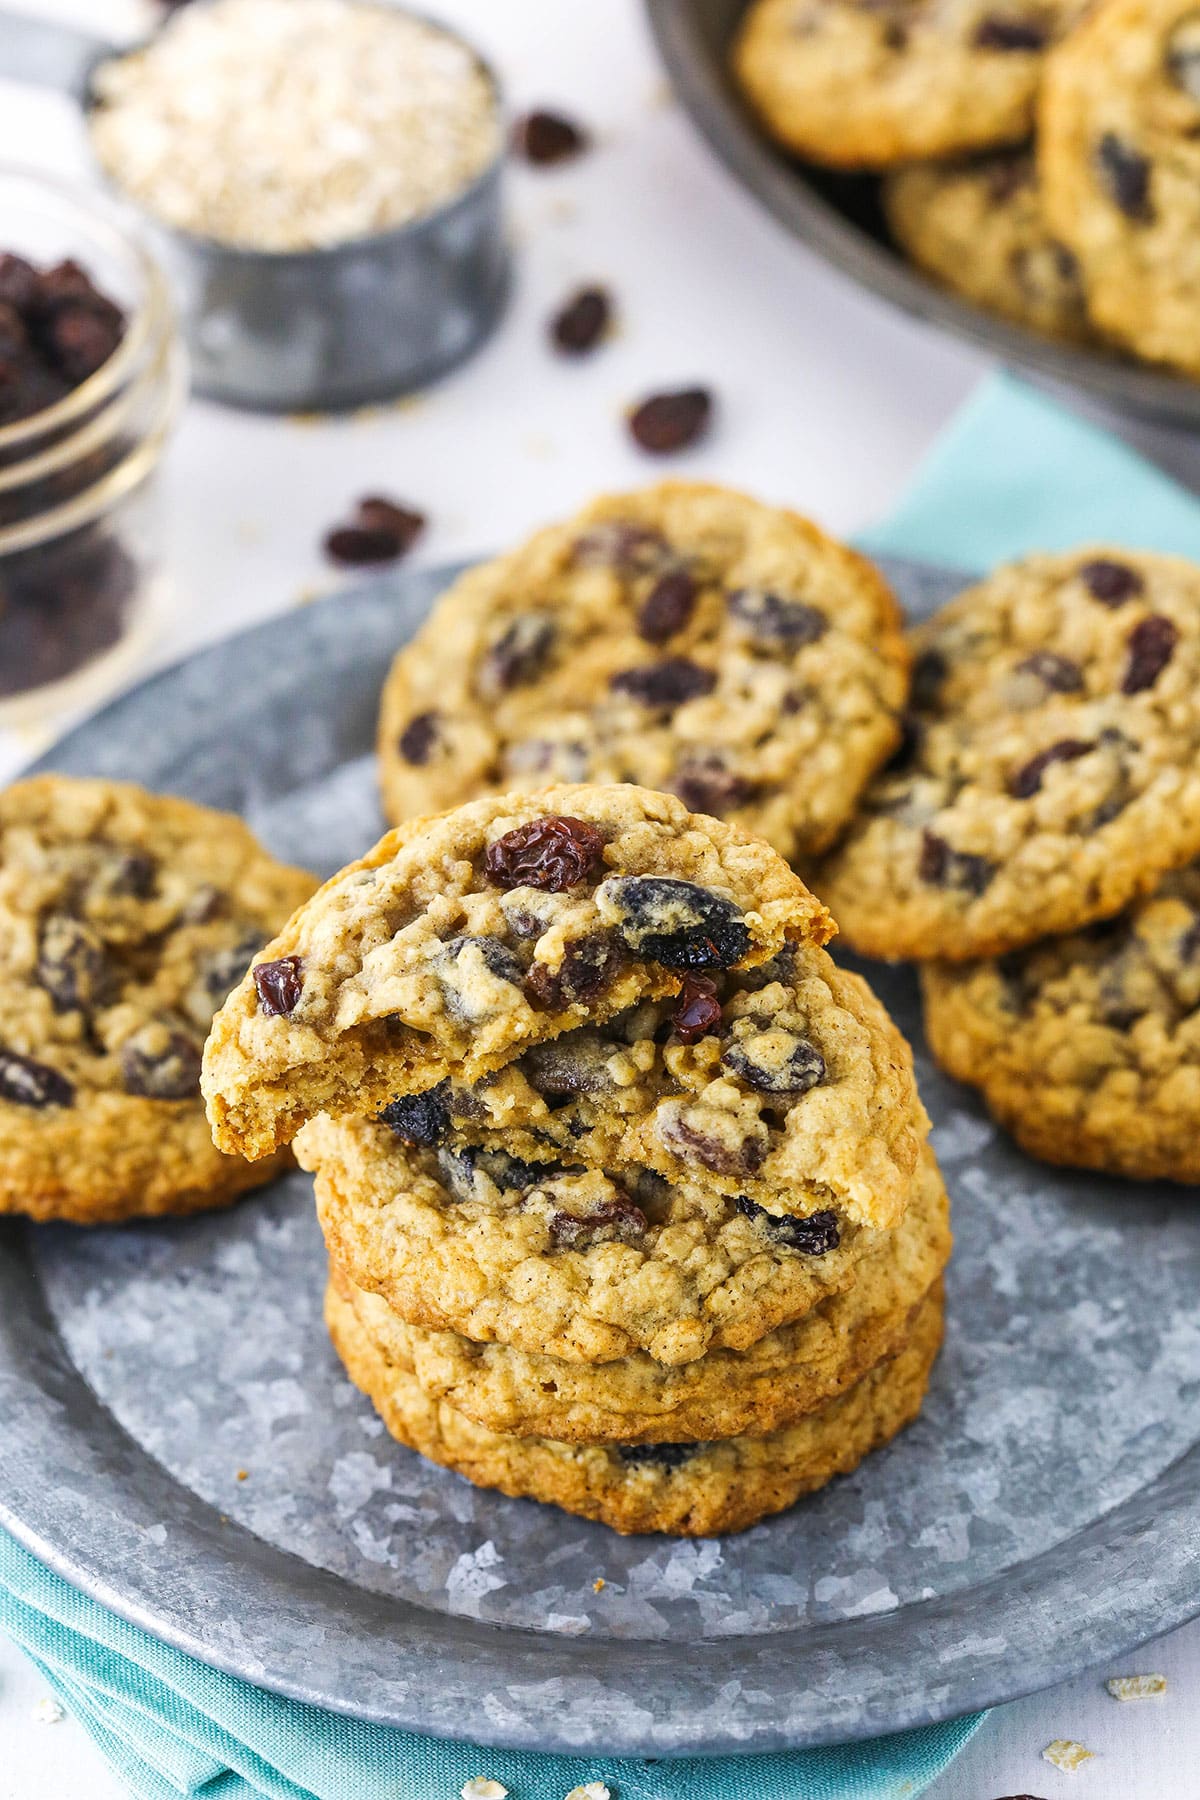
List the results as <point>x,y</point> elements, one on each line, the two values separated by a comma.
<point>309,330</point>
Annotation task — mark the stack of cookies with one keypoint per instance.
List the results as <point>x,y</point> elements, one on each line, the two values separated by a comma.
<point>1041,157</point>
<point>625,1185</point>
<point>1051,785</point>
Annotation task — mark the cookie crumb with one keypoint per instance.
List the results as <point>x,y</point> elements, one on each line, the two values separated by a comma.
<point>243,1474</point>
<point>1067,1756</point>
<point>480,1787</point>
<point>599,1584</point>
<point>47,1711</point>
<point>1137,1687</point>
<point>591,1790</point>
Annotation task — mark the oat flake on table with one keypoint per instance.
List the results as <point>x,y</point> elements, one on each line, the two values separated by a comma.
<point>294,124</point>
<point>1067,1756</point>
<point>1137,1687</point>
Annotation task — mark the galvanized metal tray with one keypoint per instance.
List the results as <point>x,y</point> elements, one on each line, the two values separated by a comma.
<point>1042,1515</point>
<point>839,217</point>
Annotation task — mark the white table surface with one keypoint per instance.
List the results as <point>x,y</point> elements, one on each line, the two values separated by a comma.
<point>826,401</point>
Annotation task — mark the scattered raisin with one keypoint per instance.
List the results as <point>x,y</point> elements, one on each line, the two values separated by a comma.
<point>29,1083</point>
<point>160,1062</point>
<point>706,784</point>
<point>678,923</point>
<point>1125,173</point>
<point>418,1119</point>
<point>554,853</point>
<point>519,653</point>
<point>1112,583</point>
<point>667,607</point>
<point>697,1010</point>
<point>587,967</point>
<point>941,866</point>
<point>664,423</point>
<point>418,738</point>
<point>815,1235</point>
<point>1056,672</point>
<point>1027,780</point>
<point>380,532</point>
<point>613,1221</point>
<point>1151,645</point>
<point>279,986</point>
<point>669,683</point>
<point>776,1061</point>
<point>659,1456</point>
<point>580,324</point>
<point>1009,34</point>
<point>774,620</point>
<point>542,138</point>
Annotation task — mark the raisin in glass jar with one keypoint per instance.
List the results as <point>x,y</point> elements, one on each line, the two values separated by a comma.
<point>91,381</point>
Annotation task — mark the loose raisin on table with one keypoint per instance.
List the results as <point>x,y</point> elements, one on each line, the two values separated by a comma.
<point>380,531</point>
<point>678,923</point>
<point>815,1235</point>
<point>697,1010</point>
<point>1151,645</point>
<point>776,1061</point>
<point>663,423</point>
<point>670,683</point>
<point>771,619</point>
<point>554,853</point>
<point>160,1062</point>
<point>582,321</point>
<point>542,137</point>
<point>1027,780</point>
<point>421,1120</point>
<point>668,606</point>
<point>279,986</point>
<point>29,1083</point>
<point>1112,583</point>
<point>658,1456</point>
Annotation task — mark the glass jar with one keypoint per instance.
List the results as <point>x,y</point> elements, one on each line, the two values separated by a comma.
<point>82,583</point>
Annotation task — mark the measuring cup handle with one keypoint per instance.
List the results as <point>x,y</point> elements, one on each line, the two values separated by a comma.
<point>48,54</point>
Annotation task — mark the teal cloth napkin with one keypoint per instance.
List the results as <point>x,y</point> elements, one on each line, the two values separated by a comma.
<point>1012,473</point>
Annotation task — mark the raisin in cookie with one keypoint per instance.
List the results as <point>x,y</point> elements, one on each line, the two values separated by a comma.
<point>1119,153</point>
<point>125,919</point>
<point>791,1372</point>
<point>787,1085</point>
<point>1087,1048</point>
<point>978,227</point>
<point>690,1490</point>
<point>1052,772</point>
<point>685,638</point>
<point>566,1261</point>
<point>460,940</point>
<point>872,83</point>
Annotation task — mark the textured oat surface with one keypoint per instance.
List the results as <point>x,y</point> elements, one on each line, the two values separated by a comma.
<point>417,962</point>
<point>693,1491</point>
<point>786,1375</point>
<point>799,1095</point>
<point>684,637</point>
<point>125,919</point>
<point>1119,153</point>
<point>863,86</point>
<point>979,228</point>
<point>1087,1048</point>
<point>1053,767</point>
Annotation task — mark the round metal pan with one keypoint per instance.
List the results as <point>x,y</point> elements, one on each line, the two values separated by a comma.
<point>839,216</point>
